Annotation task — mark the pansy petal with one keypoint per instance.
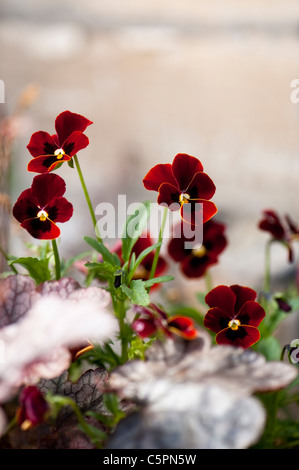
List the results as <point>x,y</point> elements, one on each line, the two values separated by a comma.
<point>222,297</point>
<point>41,143</point>
<point>144,328</point>
<point>59,210</point>
<point>177,250</point>
<point>24,209</point>
<point>75,142</point>
<point>271,223</point>
<point>182,326</point>
<point>43,230</point>
<point>159,174</point>
<point>184,168</point>
<point>216,319</point>
<point>244,336</point>
<point>201,187</point>
<point>45,163</point>
<point>67,122</point>
<point>46,187</point>
<point>199,212</point>
<point>169,195</point>
<point>243,295</point>
<point>194,267</point>
<point>251,313</point>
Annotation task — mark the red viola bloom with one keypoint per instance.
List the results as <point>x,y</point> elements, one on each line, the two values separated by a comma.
<point>234,315</point>
<point>284,231</point>
<point>195,261</point>
<point>151,320</point>
<point>33,408</point>
<point>41,206</point>
<point>50,150</point>
<point>183,185</point>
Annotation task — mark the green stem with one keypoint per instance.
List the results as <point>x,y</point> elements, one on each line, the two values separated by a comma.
<point>267,278</point>
<point>208,279</point>
<point>57,260</point>
<point>122,330</point>
<point>7,259</point>
<point>157,252</point>
<point>86,194</point>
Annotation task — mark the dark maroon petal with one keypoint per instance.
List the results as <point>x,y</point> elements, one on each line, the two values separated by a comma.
<point>201,187</point>
<point>75,142</point>
<point>199,212</point>
<point>182,326</point>
<point>251,314</point>
<point>33,406</point>
<point>214,238</point>
<point>177,250</point>
<point>66,123</point>
<point>45,163</point>
<point>216,320</point>
<point>222,297</point>
<point>184,168</point>
<point>41,143</point>
<point>159,174</point>
<point>244,336</point>
<point>59,210</point>
<point>24,209</point>
<point>283,305</point>
<point>243,295</point>
<point>144,328</point>
<point>195,267</point>
<point>169,195</point>
<point>46,187</point>
<point>271,223</point>
<point>43,230</point>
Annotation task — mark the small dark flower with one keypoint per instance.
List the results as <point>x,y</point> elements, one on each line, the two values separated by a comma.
<point>234,315</point>
<point>50,150</point>
<point>195,261</point>
<point>33,408</point>
<point>151,320</point>
<point>41,206</point>
<point>183,183</point>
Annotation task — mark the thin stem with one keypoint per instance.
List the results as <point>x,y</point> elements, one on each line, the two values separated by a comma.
<point>122,329</point>
<point>57,260</point>
<point>267,278</point>
<point>157,252</point>
<point>86,194</point>
<point>208,279</point>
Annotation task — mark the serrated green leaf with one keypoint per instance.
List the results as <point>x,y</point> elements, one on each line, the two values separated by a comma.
<point>38,269</point>
<point>109,257</point>
<point>135,225</point>
<point>137,292</point>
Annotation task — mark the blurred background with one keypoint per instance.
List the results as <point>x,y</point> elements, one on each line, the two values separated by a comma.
<point>212,79</point>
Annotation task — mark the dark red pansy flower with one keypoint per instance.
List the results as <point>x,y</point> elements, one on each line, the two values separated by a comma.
<point>182,186</point>
<point>50,150</point>
<point>40,207</point>
<point>196,260</point>
<point>151,320</point>
<point>234,315</point>
<point>284,231</point>
<point>33,408</point>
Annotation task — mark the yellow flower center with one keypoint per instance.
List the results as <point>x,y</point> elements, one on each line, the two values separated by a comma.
<point>59,153</point>
<point>42,215</point>
<point>199,251</point>
<point>234,324</point>
<point>184,197</point>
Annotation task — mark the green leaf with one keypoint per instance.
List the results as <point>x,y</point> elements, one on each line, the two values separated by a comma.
<point>37,269</point>
<point>134,227</point>
<point>71,163</point>
<point>158,280</point>
<point>270,348</point>
<point>137,292</point>
<point>141,258</point>
<point>109,257</point>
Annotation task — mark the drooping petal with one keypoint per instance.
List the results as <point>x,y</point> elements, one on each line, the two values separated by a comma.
<point>271,223</point>
<point>169,195</point>
<point>46,187</point>
<point>43,230</point>
<point>24,209</point>
<point>158,175</point>
<point>216,319</point>
<point>144,327</point>
<point>201,187</point>
<point>59,210</point>
<point>199,212</point>
<point>182,326</point>
<point>46,163</point>
<point>244,336</point>
<point>243,295</point>
<point>184,168</point>
<point>222,297</point>
<point>251,313</point>
<point>68,122</point>
<point>75,142</point>
<point>41,143</point>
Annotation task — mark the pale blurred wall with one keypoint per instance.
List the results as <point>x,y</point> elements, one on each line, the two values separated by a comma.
<point>160,77</point>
